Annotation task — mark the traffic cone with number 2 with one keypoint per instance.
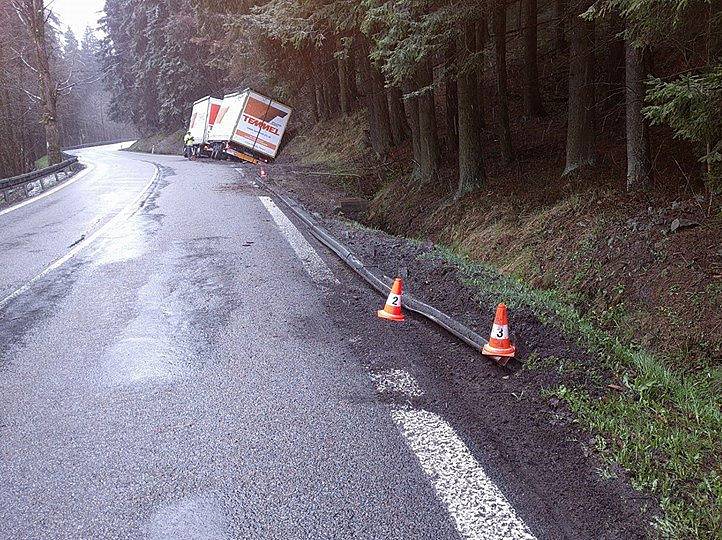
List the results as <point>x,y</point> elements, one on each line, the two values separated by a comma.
<point>500,346</point>
<point>392,309</point>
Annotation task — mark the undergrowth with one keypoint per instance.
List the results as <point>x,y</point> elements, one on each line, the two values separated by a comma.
<point>665,427</point>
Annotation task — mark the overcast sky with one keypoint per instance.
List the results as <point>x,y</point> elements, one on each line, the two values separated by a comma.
<point>77,14</point>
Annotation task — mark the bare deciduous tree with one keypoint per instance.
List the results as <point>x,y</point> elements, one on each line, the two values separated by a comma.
<point>34,16</point>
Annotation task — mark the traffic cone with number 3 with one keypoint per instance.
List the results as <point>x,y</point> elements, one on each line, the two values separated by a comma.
<point>392,309</point>
<point>500,346</point>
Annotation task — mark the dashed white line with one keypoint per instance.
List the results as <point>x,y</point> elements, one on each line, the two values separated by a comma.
<point>479,509</point>
<point>125,213</point>
<point>311,261</point>
<point>397,380</point>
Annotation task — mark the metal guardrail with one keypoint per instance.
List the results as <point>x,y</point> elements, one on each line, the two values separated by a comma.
<point>27,185</point>
<point>14,181</point>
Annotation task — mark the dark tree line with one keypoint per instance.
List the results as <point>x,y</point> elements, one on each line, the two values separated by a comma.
<point>51,89</point>
<point>436,75</point>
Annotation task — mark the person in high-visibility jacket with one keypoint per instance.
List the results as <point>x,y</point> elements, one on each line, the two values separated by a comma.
<point>189,141</point>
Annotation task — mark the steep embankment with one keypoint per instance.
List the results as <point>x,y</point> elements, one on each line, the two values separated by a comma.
<point>161,143</point>
<point>635,280</point>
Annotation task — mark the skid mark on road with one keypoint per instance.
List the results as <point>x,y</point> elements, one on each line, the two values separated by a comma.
<point>312,262</point>
<point>477,506</point>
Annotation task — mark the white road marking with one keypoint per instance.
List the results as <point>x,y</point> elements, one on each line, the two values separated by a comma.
<point>397,380</point>
<point>479,509</point>
<point>55,189</point>
<point>125,213</point>
<point>311,261</point>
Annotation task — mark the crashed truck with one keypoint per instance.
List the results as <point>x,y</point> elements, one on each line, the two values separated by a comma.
<point>248,126</point>
<point>203,117</point>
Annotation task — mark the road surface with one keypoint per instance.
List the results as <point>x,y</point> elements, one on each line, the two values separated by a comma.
<point>180,361</point>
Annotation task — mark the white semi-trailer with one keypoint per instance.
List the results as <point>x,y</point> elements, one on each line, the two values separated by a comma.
<point>249,126</point>
<point>203,117</point>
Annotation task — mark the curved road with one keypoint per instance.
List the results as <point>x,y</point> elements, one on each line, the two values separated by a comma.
<point>179,361</point>
<point>41,231</point>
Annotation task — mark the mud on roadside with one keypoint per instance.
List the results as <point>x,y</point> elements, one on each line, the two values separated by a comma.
<point>533,433</point>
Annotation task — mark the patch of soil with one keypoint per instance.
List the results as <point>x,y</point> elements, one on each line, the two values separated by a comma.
<point>545,462</point>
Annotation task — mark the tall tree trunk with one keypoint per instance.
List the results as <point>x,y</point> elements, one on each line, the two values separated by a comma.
<point>471,161</point>
<point>397,116</point>
<point>450,89</point>
<point>499,24</point>
<point>344,96</point>
<point>331,86</point>
<point>532,97</point>
<point>430,154</point>
<point>560,15</point>
<point>351,75</point>
<point>411,106</point>
<point>32,16</point>
<point>323,109</point>
<point>314,100</point>
<point>319,81</point>
<point>580,110</point>
<point>376,104</point>
<point>481,30</point>
<point>638,159</point>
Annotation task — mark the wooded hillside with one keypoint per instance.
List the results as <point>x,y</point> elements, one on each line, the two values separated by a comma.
<point>439,73</point>
<point>52,93</point>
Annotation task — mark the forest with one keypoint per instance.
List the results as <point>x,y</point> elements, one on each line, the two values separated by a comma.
<point>440,74</point>
<point>52,100</point>
<point>573,146</point>
<point>572,149</point>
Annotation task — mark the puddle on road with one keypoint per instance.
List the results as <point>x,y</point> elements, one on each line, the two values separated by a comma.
<point>179,312</point>
<point>198,517</point>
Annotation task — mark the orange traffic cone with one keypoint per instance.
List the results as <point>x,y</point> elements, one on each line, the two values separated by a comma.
<point>392,309</point>
<point>500,345</point>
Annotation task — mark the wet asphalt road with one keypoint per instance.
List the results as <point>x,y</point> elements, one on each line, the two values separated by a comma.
<point>182,376</point>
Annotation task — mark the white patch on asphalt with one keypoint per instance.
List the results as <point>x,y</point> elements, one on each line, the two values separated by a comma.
<point>82,174</point>
<point>198,517</point>
<point>124,214</point>
<point>397,381</point>
<point>311,261</point>
<point>478,508</point>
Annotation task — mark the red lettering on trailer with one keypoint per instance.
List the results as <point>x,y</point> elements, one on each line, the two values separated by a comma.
<point>261,124</point>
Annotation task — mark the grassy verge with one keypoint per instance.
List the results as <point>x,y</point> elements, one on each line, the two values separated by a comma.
<point>42,162</point>
<point>664,427</point>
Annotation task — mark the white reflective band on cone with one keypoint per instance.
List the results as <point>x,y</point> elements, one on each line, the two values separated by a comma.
<point>500,332</point>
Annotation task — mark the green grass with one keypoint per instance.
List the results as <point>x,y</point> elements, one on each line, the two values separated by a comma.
<point>665,428</point>
<point>42,162</point>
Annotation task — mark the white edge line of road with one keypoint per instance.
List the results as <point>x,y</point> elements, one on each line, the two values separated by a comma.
<point>310,259</point>
<point>477,506</point>
<point>89,168</point>
<point>125,213</point>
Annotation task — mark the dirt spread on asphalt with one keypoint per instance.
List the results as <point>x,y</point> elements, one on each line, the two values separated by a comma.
<point>527,437</point>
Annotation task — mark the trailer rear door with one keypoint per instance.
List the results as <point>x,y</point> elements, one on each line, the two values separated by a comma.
<point>199,120</point>
<point>261,124</point>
